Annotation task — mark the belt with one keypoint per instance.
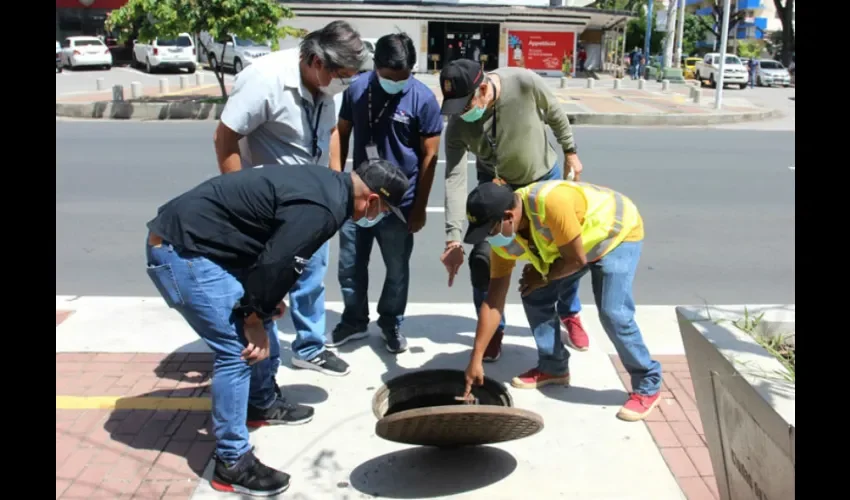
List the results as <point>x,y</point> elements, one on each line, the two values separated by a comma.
<point>154,240</point>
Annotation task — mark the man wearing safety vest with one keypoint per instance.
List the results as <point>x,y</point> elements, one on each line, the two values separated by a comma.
<point>565,229</point>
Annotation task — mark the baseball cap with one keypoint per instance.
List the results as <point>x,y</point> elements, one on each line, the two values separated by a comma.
<point>386,180</point>
<point>485,206</point>
<point>458,81</point>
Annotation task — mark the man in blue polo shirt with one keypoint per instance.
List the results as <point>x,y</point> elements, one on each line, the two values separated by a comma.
<point>396,118</point>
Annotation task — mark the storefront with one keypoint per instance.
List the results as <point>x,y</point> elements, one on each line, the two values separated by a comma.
<point>83,17</point>
<point>540,38</point>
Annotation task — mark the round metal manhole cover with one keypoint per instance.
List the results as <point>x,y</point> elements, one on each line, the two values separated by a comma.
<point>422,408</point>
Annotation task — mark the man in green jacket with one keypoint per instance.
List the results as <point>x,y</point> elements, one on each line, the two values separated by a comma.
<point>501,118</point>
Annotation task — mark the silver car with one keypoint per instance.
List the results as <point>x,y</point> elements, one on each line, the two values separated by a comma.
<point>770,72</point>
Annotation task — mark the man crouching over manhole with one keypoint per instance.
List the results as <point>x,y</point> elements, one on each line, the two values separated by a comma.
<point>565,229</point>
<point>224,254</point>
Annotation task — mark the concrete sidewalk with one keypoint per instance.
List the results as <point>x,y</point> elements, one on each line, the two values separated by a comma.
<point>133,414</point>
<point>601,105</point>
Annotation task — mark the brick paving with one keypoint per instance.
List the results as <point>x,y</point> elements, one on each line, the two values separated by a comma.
<point>131,453</point>
<point>675,425</point>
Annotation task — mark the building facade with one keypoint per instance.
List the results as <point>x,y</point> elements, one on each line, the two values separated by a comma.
<point>761,19</point>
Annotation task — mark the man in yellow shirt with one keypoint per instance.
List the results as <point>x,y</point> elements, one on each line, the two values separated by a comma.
<point>565,230</point>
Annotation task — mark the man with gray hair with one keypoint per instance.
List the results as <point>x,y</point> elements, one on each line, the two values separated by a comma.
<point>282,109</point>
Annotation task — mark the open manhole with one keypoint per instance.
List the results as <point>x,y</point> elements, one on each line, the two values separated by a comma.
<point>422,408</point>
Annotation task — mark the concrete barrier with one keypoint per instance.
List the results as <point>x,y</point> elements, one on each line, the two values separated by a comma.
<point>617,83</point>
<point>590,83</point>
<point>199,79</point>
<point>696,94</point>
<point>100,83</point>
<point>641,84</point>
<point>563,82</point>
<point>665,85</point>
<point>118,93</point>
<point>184,82</point>
<point>136,90</point>
<point>163,85</point>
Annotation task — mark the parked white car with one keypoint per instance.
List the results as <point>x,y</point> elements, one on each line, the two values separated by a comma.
<point>734,71</point>
<point>85,51</point>
<point>770,72</point>
<point>238,54</point>
<point>158,54</point>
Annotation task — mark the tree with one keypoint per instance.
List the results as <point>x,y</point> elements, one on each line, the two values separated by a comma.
<point>786,14</point>
<point>750,49</point>
<point>636,32</point>
<point>250,19</point>
<point>693,32</point>
<point>716,23</point>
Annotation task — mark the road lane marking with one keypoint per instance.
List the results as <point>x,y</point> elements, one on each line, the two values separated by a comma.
<point>131,403</point>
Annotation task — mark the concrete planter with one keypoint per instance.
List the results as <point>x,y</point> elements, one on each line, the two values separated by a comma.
<point>745,401</point>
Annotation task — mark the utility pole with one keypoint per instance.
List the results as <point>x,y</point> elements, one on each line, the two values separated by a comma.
<point>680,32</point>
<point>649,20</point>
<point>724,38</point>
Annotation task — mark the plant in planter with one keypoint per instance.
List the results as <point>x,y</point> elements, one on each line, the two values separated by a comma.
<point>741,361</point>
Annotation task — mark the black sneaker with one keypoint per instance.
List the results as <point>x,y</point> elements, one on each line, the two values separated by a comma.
<point>394,340</point>
<point>249,476</point>
<point>344,333</point>
<point>326,362</point>
<point>279,413</point>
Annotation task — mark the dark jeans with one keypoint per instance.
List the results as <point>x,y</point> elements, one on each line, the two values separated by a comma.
<point>355,248</point>
<point>479,286</point>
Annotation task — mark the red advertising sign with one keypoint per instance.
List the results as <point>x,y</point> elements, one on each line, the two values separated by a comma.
<point>541,50</point>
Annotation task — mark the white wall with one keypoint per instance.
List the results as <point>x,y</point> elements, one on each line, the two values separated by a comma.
<point>507,27</point>
<point>368,28</point>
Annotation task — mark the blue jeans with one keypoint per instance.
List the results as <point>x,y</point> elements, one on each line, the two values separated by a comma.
<point>479,294</point>
<point>355,248</point>
<point>612,278</point>
<point>307,307</point>
<point>205,293</point>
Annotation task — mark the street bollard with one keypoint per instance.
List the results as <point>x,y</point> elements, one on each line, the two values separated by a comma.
<point>199,79</point>
<point>101,83</point>
<point>696,94</point>
<point>184,81</point>
<point>117,92</point>
<point>163,85</point>
<point>135,90</point>
<point>590,83</point>
<point>641,84</point>
<point>617,82</point>
<point>563,82</point>
<point>665,85</point>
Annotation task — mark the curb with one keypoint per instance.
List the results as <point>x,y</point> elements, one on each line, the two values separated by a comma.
<point>211,111</point>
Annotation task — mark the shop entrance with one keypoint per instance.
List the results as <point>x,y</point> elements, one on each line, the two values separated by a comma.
<point>474,41</point>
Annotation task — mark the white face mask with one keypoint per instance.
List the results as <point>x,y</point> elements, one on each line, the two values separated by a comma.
<point>336,85</point>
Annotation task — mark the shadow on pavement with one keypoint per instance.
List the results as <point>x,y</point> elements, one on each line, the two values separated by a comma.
<point>431,472</point>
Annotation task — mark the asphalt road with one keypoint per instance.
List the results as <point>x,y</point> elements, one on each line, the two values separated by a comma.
<point>718,207</point>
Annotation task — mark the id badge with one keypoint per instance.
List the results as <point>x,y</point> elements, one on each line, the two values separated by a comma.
<point>372,152</point>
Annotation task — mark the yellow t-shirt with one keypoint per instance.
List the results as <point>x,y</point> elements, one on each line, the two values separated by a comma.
<point>565,209</point>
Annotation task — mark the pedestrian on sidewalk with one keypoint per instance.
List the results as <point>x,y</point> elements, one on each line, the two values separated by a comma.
<point>566,230</point>
<point>224,255</point>
<point>501,117</point>
<point>396,117</point>
<point>282,110</point>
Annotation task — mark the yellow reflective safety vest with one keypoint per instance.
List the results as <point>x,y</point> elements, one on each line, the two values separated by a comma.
<point>609,219</point>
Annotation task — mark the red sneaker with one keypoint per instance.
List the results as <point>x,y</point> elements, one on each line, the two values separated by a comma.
<point>534,378</point>
<point>494,348</point>
<point>573,334</point>
<point>638,407</point>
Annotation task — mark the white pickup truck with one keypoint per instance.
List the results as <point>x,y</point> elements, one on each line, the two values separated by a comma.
<point>159,54</point>
<point>238,54</point>
<point>734,71</point>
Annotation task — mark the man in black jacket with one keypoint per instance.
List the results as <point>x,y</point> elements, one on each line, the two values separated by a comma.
<point>224,255</point>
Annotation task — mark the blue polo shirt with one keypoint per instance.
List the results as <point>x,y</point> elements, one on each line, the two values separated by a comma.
<point>410,116</point>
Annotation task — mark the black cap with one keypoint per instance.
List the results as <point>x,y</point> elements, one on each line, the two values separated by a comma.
<point>485,206</point>
<point>458,81</point>
<point>386,180</point>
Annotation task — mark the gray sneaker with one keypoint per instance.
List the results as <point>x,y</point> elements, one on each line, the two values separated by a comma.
<point>394,340</point>
<point>344,333</point>
<point>326,362</point>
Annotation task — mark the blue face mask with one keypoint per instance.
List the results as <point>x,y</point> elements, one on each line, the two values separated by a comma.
<point>500,240</point>
<point>391,87</point>
<point>473,115</point>
<point>365,221</point>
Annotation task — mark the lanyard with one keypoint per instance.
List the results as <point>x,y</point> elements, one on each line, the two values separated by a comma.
<point>378,118</point>
<point>491,137</point>
<point>316,150</point>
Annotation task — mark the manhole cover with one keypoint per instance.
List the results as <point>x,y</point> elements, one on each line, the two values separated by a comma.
<point>421,408</point>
